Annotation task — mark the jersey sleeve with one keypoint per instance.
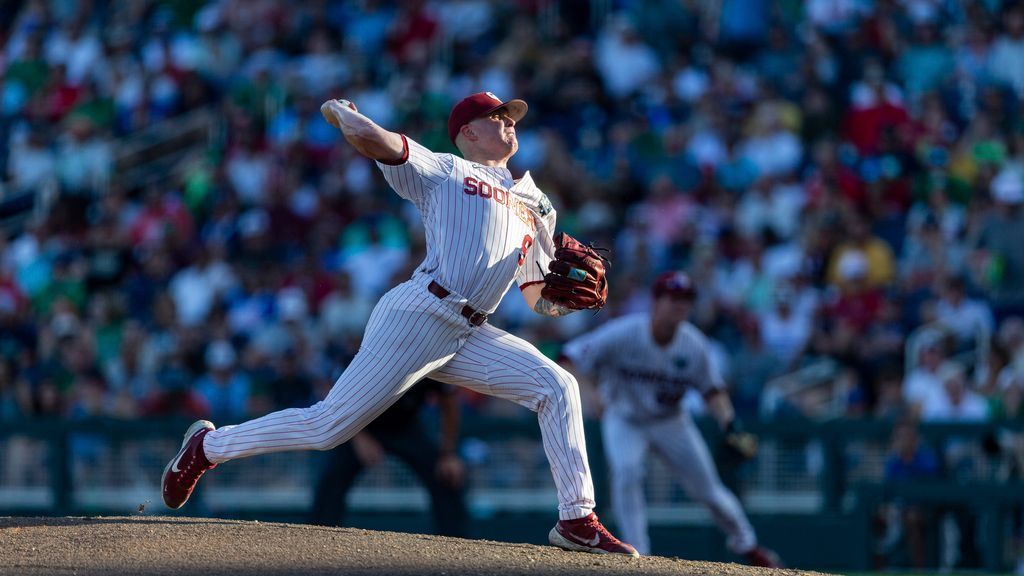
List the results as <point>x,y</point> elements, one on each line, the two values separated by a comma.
<point>707,375</point>
<point>536,258</point>
<point>586,351</point>
<point>418,172</point>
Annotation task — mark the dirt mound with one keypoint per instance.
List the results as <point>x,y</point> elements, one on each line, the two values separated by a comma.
<point>147,545</point>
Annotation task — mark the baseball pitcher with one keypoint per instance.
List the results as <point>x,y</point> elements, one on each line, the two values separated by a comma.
<point>643,365</point>
<point>484,232</point>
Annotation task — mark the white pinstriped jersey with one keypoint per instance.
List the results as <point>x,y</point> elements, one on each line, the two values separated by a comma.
<point>484,229</point>
<point>478,221</point>
<point>637,378</point>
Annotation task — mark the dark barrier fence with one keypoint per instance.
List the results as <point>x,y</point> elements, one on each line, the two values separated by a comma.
<point>815,491</point>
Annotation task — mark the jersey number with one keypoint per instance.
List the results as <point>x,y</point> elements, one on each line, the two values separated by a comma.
<point>527,242</point>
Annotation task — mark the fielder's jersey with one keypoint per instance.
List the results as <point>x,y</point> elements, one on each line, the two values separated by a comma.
<point>484,229</point>
<point>637,378</point>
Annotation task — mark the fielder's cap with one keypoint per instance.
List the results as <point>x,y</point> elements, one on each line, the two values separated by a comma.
<point>675,284</point>
<point>481,104</point>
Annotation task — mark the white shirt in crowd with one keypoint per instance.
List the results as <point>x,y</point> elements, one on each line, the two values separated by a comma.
<point>785,336</point>
<point>940,408</point>
<point>922,385</point>
<point>966,319</point>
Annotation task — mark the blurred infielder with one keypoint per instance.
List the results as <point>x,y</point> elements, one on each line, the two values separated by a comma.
<point>484,231</point>
<point>644,364</point>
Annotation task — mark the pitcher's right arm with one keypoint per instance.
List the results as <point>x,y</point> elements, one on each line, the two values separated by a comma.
<point>363,134</point>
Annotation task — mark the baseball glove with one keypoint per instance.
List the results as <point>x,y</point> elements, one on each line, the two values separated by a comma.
<point>738,443</point>
<point>577,275</point>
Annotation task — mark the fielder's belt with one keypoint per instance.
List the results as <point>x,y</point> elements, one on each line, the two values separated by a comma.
<point>475,317</point>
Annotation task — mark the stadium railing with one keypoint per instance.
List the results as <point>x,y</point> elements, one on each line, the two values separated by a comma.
<point>809,470</point>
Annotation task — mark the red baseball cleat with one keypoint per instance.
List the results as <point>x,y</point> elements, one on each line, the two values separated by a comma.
<point>183,471</point>
<point>587,535</point>
<point>765,558</point>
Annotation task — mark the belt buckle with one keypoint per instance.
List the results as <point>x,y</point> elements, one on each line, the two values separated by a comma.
<point>477,318</point>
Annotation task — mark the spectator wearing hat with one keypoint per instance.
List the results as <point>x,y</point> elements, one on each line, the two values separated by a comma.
<point>859,302</point>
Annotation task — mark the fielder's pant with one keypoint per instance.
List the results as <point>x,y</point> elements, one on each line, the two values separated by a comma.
<point>680,444</point>
<point>412,334</point>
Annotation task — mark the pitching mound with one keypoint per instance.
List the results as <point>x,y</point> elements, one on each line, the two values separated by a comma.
<point>209,547</point>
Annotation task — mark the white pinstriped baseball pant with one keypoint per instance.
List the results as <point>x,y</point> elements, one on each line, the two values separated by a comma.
<point>412,334</point>
<point>678,441</point>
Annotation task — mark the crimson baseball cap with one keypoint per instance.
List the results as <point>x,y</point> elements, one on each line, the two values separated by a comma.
<point>675,284</point>
<point>481,104</point>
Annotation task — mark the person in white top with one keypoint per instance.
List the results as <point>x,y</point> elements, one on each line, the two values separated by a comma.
<point>956,402</point>
<point>924,383</point>
<point>484,232</point>
<point>967,318</point>
<point>784,329</point>
<point>644,364</point>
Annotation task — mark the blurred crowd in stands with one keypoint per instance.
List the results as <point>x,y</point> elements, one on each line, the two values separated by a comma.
<point>843,178</point>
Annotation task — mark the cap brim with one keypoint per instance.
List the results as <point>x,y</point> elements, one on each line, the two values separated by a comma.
<point>516,109</point>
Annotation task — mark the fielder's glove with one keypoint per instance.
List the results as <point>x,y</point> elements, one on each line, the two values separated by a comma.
<point>738,443</point>
<point>577,275</point>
